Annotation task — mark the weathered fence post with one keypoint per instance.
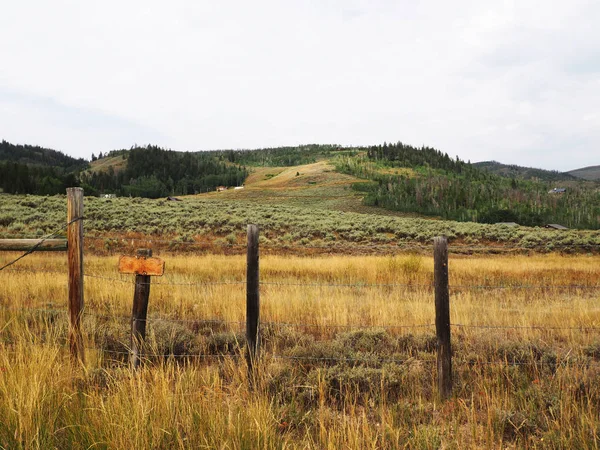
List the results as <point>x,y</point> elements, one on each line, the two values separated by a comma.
<point>252,301</point>
<point>442,316</point>
<point>140,311</point>
<point>75,262</point>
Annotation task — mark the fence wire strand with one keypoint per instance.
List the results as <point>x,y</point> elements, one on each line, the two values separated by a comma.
<point>353,285</point>
<point>523,327</point>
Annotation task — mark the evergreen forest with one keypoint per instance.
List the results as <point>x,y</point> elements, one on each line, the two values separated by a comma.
<point>446,187</point>
<point>154,172</point>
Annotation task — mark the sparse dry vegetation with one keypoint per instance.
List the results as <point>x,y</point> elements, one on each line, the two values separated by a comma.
<point>339,370</point>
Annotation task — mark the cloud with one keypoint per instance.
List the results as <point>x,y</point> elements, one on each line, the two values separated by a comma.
<point>24,115</point>
<point>481,80</point>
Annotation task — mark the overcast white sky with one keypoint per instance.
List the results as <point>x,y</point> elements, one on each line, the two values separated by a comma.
<point>515,81</point>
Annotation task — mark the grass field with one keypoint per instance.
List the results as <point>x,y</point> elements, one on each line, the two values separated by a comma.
<point>348,355</point>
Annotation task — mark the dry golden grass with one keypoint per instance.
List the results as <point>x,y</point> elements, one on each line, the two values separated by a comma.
<point>514,387</point>
<point>298,177</point>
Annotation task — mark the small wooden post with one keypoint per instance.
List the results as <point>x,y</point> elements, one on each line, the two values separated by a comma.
<point>75,261</point>
<point>442,316</point>
<point>252,301</point>
<point>140,311</point>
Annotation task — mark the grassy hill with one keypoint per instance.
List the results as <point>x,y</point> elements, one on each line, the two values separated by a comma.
<point>116,162</point>
<point>591,173</point>
<point>317,186</point>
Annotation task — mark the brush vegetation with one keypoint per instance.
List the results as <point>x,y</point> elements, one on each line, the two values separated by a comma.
<point>287,217</point>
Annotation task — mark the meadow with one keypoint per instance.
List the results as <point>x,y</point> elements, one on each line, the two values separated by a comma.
<point>347,354</point>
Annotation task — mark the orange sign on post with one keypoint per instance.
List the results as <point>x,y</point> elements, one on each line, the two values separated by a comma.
<point>141,265</point>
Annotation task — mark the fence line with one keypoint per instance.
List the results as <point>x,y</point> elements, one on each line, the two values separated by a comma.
<point>440,286</point>
<point>524,327</point>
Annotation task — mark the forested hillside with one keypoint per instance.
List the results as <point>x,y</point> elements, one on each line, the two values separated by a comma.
<point>149,172</point>
<point>39,156</point>
<point>28,169</point>
<point>452,189</point>
<point>155,172</point>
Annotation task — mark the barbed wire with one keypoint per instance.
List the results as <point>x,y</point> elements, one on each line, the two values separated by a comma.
<point>348,326</point>
<point>369,359</point>
<point>351,285</point>
<point>364,285</point>
<point>524,327</point>
<point>199,321</point>
<point>262,323</point>
<point>132,281</point>
<point>267,323</point>
<point>160,355</point>
<point>525,286</point>
<point>374,359</point>
<point>164,319</point>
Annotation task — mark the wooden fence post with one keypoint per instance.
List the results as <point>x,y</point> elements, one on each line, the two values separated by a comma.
<point>75,262</point>
<point>252,301</point>
<point>140,311</point>
<point>442,316</point>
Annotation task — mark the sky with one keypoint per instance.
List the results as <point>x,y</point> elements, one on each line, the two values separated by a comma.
<point>514,81</point>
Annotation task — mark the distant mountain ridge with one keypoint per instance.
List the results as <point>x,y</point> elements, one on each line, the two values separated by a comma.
<point>591,173</point>
<point>524,173</point>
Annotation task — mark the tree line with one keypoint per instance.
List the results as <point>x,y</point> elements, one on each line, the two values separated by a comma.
<point>453,189</point>
<point>150,171</point>
<point>155,172</point>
